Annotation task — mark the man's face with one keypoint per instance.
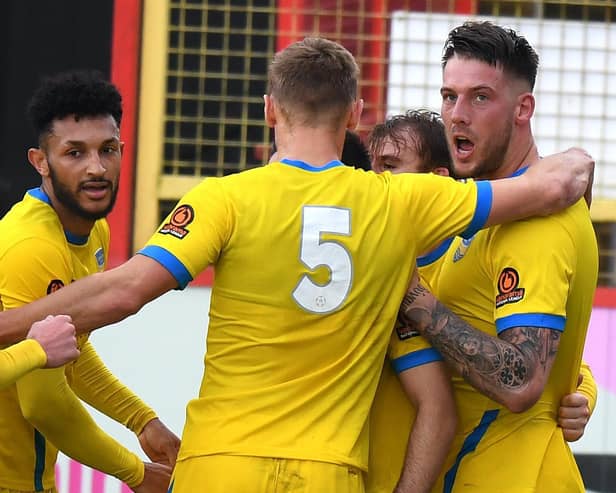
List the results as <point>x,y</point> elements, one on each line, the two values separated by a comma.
<point>478,104</point>
<point>397,160</point>
<point>84,164</point>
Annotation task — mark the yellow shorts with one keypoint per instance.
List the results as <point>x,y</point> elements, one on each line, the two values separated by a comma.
<point>240,474</point>
<point>50,490</point>
<point>497,458</point>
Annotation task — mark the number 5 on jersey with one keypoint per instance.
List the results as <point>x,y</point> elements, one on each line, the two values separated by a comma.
<point>314,253</point>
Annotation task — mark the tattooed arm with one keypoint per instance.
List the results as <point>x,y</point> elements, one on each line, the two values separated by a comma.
<point>511,369</point>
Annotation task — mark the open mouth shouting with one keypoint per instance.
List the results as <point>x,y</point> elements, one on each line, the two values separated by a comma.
<point>463,147</point>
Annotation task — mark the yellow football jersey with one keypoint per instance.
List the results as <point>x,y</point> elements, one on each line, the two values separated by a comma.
<point>37,258</point>
<point>19,359</point>
<point>540,272</point>
<point>310,268</point>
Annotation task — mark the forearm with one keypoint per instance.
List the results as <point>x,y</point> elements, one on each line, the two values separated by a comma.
<point>96,385</point>
<point>17,360</point>
<point>511,372</point>
<point>92,302</point>
<point>49,405</point>
<point>431,436</point>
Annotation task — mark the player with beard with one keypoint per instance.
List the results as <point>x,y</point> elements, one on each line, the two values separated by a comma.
<point>527,286</point>
<point>408,393</point>
<point>299,316</point>
<point>54,236</point>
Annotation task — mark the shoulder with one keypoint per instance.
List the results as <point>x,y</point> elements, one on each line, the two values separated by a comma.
<point>33,223</point>
<point>101,230</point>
<point>568,222</point>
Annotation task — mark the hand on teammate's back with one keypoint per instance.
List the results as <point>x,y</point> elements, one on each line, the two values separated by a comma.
<point>159,443</point>
<point>568,175</point>
<point>56,335</point>
<point>156,479</point>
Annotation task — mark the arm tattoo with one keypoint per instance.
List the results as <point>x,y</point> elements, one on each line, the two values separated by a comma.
<point>493,365</point>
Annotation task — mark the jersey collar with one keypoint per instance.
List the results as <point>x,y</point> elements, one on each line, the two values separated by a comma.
<point>308,167</point>
<point>39,194</point>
<point>519,172</point>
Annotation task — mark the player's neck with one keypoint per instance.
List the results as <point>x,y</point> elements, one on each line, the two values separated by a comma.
<point>315,146</point>
<point>518,156</point>
<point>71,222</point>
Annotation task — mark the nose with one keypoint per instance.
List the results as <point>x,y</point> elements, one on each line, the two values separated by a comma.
<point>459,111</point>
<point>96,166</point>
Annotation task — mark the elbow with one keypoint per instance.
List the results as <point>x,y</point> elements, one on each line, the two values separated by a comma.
<point>35,410</point>
<point>442,411</point>
<point>449,425</point>
<point>121,295</point>
<point>124,305</point>
<point>522,401</point>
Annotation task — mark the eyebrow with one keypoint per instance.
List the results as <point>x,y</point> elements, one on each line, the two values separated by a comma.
<point>474,88</point>
<point>389,156</point>
<point>113,140</point>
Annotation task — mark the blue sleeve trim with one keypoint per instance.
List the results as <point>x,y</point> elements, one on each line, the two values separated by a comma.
<point>416,358</point>
<point>169,262</point>
<point>435,254</point>
<point>482,211</point>
<point>543,320</point>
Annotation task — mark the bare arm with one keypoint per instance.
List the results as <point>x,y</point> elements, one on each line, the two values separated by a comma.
<point>552,184</point>
<point>428,387</point>
<point>93,301</point>
<point>511,369</point>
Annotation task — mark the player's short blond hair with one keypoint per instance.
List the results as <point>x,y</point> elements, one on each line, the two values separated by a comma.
<point>314,81</point>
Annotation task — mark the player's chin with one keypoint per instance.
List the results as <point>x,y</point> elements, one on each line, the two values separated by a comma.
<point>97,210</point>
<point>465,169</point>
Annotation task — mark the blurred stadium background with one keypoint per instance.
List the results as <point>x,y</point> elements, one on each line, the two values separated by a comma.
<point>193,72</point>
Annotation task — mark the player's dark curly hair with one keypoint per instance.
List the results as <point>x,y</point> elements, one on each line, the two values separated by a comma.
<point>79,93</point>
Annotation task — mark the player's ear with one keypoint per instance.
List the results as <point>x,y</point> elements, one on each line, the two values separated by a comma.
<point>355,115</point>
<point>38,160</point>
<point>269,110</point>
<point>441,170</point>
<point>525,108</point>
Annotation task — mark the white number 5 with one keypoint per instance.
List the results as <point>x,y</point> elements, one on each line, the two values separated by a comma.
<point>314,253</point>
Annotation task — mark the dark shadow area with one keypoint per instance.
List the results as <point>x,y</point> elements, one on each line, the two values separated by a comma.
<point>598,471</point>
<point>39,39</point>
